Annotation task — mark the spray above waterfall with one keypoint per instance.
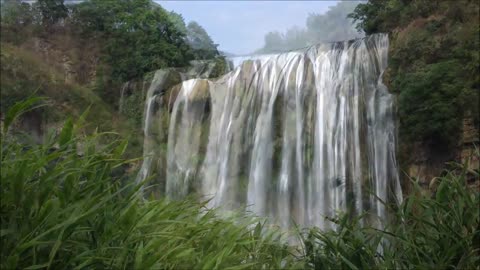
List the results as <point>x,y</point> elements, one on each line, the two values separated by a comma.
<point>295,137</point>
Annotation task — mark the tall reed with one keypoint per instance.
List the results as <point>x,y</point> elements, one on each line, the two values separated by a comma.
<point>66,205</point>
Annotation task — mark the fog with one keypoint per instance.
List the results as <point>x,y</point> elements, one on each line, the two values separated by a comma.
<point>246,27</point>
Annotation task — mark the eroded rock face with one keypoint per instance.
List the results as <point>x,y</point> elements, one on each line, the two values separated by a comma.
<point>165,83</point>
<point>78,61</point>
<point>165,89</point>
<point>470,132</point>
<point>469,153</point>
<point>425,166</point>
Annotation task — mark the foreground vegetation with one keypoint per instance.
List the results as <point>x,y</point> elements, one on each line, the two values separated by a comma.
<point>67,204</point>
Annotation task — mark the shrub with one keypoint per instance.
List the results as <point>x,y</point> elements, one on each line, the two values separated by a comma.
<point>431,103</point>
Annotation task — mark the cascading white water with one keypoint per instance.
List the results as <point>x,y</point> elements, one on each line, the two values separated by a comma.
<point>122,96</point>
<point>294,137</point>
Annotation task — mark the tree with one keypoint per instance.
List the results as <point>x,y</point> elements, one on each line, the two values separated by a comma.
<point>200,42</point>
<point>378,15</point>
<point>52,11</point>
<point>295,38</point>
<point>16,12</point>
<point>273,42</point>
<point>179,22</point>
<point>17,18</point>
<point>139,36</point>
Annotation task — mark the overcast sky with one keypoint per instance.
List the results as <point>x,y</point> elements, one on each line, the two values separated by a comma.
<point>239,26</point>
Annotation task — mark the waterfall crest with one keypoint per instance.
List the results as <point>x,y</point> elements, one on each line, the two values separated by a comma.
<point>294,137</point>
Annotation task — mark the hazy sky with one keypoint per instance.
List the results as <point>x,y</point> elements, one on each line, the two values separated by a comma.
<point>239,26</point>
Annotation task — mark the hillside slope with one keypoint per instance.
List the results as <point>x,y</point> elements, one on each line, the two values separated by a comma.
<point>25,73</point>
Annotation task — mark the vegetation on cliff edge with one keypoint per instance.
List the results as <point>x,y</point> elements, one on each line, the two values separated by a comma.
<point>433,64</point>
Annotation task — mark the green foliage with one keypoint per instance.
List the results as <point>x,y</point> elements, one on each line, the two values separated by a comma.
<point>350,246</point>
<point>16,85</point>
<point>220,68</point>
<point>23,74</point>
<point>19,109</point>
<point>139,36</point>
<point>15,12</point>
<point>202,45</point>
<point>440,231</point>
<point>17,19</point>
<point>179,22</point>
<point>385,15</point>
<point>431,101</point>
<point>295,37</point>
<point>133,108</point>
<point>52,11</point>
<point>372,17</point>
<point>21,20</point>
<point>434,63</point>
<point>129,37</point>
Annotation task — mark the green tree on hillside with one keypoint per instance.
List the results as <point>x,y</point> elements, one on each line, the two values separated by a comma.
<point>129,37</point>
<point>15,12</point>
<point>273,42</point>
<point>179,22</point>
<point>17,19</point>
<point>433,65</point>
<point>201,43</point>
<point>139,36</point>
<point>52,11</point>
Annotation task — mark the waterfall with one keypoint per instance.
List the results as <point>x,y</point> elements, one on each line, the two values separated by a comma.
<point>122,96</point>
<point>295,137</point>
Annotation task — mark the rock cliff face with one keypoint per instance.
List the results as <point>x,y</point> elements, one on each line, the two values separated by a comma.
<point>76,59</point>
<point>469,138</point>
<point>133,94</point>
<point>425,165</point>
<point>469,149</point>
<point>53,70</point>
<point>154,96</point>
